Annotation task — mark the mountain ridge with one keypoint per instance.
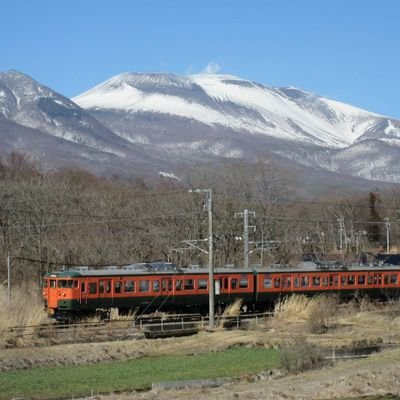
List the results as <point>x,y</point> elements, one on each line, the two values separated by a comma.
<point>232,102</point>
<point>146,123</point>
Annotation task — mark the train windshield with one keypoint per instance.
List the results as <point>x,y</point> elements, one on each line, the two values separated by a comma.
<point>67,283</point>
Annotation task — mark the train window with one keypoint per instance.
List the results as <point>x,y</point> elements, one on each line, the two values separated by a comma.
<point>351,280</point>
<point>129,286</point>
<point>92,287</point>
<point>243,283</point>
<point>234,283</point>
<point>202,283</point>
<point>188,284</point>
<point>166,284</point>
<point>296,282</point>
<point>283,282</point>
<point>83,287</point>
<point>304,281</point>
<point>144,285</point>
<point>277,282</point>
<point>361,279</point>
<point>117,287</point>
<point>369,279</point>
<point>343,280</point>
<point>393,279</point>
<point>53,284</point>
<point>67,284</point>
<point>288,281</point>
<point>386,279</point>
<point>156,286</point>
<point>325,281</point>
<point>105,287</point>
<point>377,279</point>
<point>316,281</point>
<point>267,281</point>
<point>178,284</point>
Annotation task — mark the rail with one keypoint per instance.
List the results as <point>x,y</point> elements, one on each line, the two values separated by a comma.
<point>147,326</point>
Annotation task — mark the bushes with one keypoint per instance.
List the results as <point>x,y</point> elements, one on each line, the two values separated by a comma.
<point>300,356</point>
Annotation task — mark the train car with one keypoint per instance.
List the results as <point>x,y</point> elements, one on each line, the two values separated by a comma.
<point>75,293</point>
<point>345,282</point>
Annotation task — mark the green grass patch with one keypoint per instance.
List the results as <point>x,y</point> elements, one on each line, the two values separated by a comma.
<point>73,381</point>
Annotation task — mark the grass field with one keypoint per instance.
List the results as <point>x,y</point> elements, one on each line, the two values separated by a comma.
<point>70,382</point>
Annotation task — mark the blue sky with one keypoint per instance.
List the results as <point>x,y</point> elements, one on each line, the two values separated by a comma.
<point>348,50</point>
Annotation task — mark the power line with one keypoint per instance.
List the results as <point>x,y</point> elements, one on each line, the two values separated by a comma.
<point>100,222</point>
<point>280,218</point>
<point>19,211</point>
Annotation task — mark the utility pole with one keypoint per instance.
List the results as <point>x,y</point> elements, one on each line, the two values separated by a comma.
<point>387,223</point>
<point>9,277</point>
<point>341,230</point>
<point>211,290</point>
<point>245,215</point>
<point>357,237</point>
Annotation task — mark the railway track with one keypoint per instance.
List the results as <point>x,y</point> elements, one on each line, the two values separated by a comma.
<point>144,326</point>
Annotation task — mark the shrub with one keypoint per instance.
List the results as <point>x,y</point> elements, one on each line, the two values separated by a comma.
<point>300,356</point>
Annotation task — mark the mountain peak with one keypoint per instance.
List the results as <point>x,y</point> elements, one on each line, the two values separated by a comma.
<point>233,103</point>
<point>16,76</point>
<point>154,120</point>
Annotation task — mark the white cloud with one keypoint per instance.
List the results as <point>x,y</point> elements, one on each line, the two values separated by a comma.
<point>211,68</point>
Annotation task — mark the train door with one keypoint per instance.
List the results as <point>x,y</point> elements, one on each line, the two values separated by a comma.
<point>377,280</point>
<point>53,297</point>
<point>83,291</point>
<point>166,288</point>
<point>105,292</point>
<point>333,281</point>
<point>223,287</point>
<point>92,293</point>
<point>217,286</point>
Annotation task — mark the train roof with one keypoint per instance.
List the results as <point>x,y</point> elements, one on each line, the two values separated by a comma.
<point>168,269</point>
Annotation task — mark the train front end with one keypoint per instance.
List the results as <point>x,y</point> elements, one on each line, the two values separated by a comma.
<point>61,294</point>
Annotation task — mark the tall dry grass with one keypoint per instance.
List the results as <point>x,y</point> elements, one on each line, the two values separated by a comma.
<point>314,312</point>
<point>25,308</point>
<point>232,310</point>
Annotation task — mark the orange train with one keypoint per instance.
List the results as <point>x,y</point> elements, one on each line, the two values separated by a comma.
<point>73,293</point>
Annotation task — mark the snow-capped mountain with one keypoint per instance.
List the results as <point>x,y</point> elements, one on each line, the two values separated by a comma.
<point>37,120</point>
<point>225,116</point>
<point>240,105</point>
<point>146,123</point>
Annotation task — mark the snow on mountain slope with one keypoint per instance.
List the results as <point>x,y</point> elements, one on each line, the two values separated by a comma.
<point>30,104</point>
<point>146,123</point>
<point>233,103</point>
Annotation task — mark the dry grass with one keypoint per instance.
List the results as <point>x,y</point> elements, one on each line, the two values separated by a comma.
<point>295,308</point>
<point>116,316</point>
<point>26,308</point>
<point>314,312</point>
<point>232,310</point>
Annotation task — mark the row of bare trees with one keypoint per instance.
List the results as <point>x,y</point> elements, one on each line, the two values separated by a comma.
<point>48,219</point>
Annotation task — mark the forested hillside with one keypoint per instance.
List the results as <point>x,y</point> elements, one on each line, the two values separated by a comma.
<point>71,217</point>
